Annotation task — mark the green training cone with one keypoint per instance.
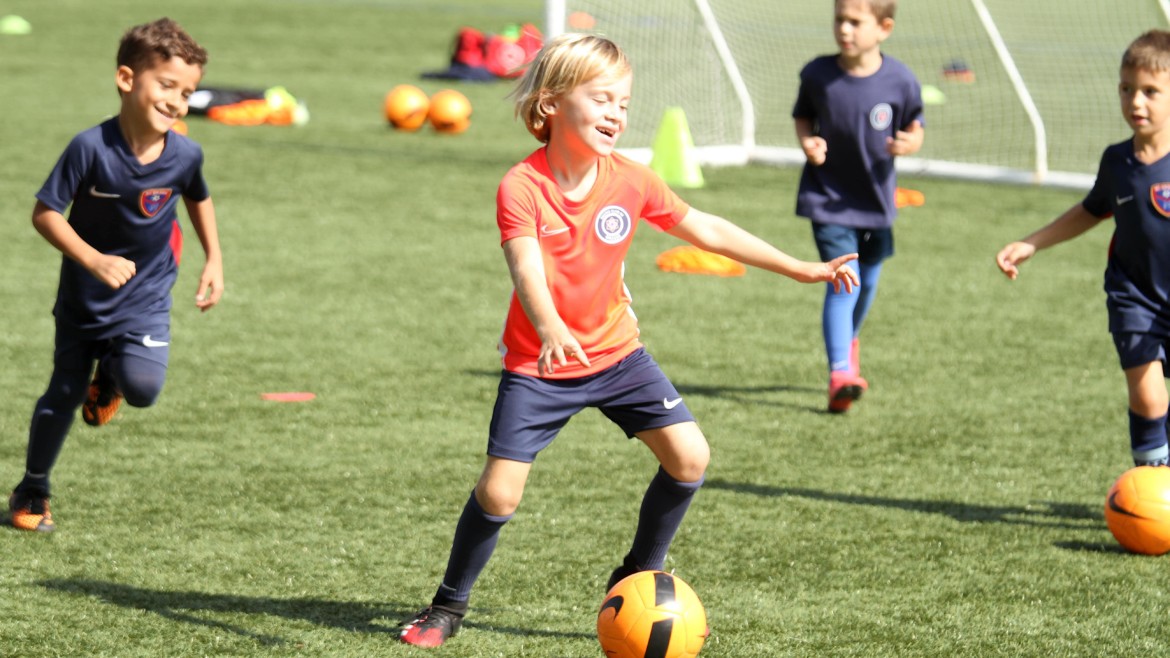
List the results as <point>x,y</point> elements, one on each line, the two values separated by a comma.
<point>674,151</point>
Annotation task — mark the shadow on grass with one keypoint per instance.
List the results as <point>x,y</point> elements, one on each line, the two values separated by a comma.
<point>1095,547</point>
<point>185,606</point>
<point>753,394</point>
<point>1046,514</point>
<point>742,394</point>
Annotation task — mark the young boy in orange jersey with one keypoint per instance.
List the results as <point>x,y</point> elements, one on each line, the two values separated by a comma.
<point>122,181</point>
<point>567,215</point>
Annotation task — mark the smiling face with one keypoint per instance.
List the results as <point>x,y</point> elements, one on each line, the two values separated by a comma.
<point>1145,100</point>
<point>858,31</point>
<point>589,119</point>
<point>155,97</point>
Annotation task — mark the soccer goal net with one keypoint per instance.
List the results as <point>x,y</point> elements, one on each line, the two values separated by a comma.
<point>1016,90</point>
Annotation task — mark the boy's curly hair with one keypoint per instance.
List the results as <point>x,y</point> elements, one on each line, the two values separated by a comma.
<point>144,45</point>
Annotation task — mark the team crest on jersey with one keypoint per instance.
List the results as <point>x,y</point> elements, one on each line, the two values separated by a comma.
<point>1160,196</point>
<point>613,224</point>
<point>151,201</point>
<point>881,116</point>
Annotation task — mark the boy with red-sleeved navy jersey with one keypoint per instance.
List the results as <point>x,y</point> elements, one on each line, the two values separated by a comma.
<point>121,183</point>
<point>1132,187</point>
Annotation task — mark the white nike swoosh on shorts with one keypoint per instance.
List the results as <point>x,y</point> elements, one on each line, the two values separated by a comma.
<point>150,342</point>
<point>93,191</point>
<point>671,404</point>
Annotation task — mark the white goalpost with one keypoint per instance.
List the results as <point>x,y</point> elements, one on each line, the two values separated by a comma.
<point>1021,92</point>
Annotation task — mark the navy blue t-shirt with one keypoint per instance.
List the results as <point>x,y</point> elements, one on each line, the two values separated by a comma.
<point>125,208</point>
<point>1137,275</point>
<point>855,185</point>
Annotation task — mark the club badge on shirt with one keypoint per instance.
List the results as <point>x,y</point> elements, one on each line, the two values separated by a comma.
<point>881,116</point>
<point>613,224</point>
<point>1160,196</point>
<point>151,201</point>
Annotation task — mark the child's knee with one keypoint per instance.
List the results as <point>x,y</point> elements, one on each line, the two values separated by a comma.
<point>140,382</point>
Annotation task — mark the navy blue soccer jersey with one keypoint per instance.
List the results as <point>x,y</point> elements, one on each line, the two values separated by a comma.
<point>855,185</point>
<point>125,208</point>
<point>1137,276</point>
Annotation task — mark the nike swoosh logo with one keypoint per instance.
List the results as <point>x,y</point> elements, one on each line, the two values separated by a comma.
<point>93,191</point>
<point>671,404</point>
<point>1124,199</point>
<point>150,342</point>
<point>546,231</point>
<point>615,602</point>
<point>1117,508</point>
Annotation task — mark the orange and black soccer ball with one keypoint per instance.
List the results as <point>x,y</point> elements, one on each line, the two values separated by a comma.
<point>450,111</point>
<point>406,107</point>
<point>651,614</point>
<point>1137,509</point>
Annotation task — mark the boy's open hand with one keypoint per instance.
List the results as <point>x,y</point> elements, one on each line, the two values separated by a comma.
<point>210,287</point>
<point>555,351</point>
<point>114,271</point>
<point>1010,257</point>
<point>839,273</point>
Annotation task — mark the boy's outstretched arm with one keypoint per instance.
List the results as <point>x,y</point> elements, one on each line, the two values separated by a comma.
<point>114,271</point>
<point>557,343</point>
<point>1075,221</point>
<point>202,214</point>
<point>720,236</point>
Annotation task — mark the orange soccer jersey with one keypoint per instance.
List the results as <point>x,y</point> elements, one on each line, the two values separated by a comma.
<point>584,244</point>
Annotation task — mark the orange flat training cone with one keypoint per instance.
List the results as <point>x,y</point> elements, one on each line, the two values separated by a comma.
<point>689,259</point>
<point>674,156</point>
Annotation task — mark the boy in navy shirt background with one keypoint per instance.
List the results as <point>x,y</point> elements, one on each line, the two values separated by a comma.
<point>855,112</point>
<point>120,251</point>
<point>1133,187</point>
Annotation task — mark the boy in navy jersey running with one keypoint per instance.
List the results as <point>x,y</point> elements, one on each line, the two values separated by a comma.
<point>856,111</point>
<point>1133,187</point>
<point>121,246</point>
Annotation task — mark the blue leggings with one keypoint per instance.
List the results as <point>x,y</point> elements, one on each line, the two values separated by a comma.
<point>844,313</point>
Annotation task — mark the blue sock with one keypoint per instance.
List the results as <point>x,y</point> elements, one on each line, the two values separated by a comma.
<point>475,540</point>
<point>1147,440</point>
<point>663,507</point>
<point>837,325</point>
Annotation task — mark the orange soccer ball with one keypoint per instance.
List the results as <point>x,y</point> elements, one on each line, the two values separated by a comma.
<point>406,107</point>
<point>651,613</point>
<point>450,111</point>
<point>1137,509</point>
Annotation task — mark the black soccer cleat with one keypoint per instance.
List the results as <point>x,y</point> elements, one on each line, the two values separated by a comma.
<point>431,626</point>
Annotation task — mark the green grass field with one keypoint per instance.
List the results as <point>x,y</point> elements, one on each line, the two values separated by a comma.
<point>957,511</point>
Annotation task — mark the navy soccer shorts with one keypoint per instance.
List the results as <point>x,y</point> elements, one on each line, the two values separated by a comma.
<point>872,245</point>
<point>1136,349</point>
<point>530,411</point>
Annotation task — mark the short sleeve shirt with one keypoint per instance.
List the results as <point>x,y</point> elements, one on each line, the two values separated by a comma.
<point>584,245</point>
<point>855,185</point>
<point>1137,274</point>
<point>125,208</point>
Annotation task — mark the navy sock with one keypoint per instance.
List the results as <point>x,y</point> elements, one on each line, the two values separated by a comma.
<point>1147,440</point>
<point>663,507</point>
<point>51,420</point>
<point>475,540</point>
